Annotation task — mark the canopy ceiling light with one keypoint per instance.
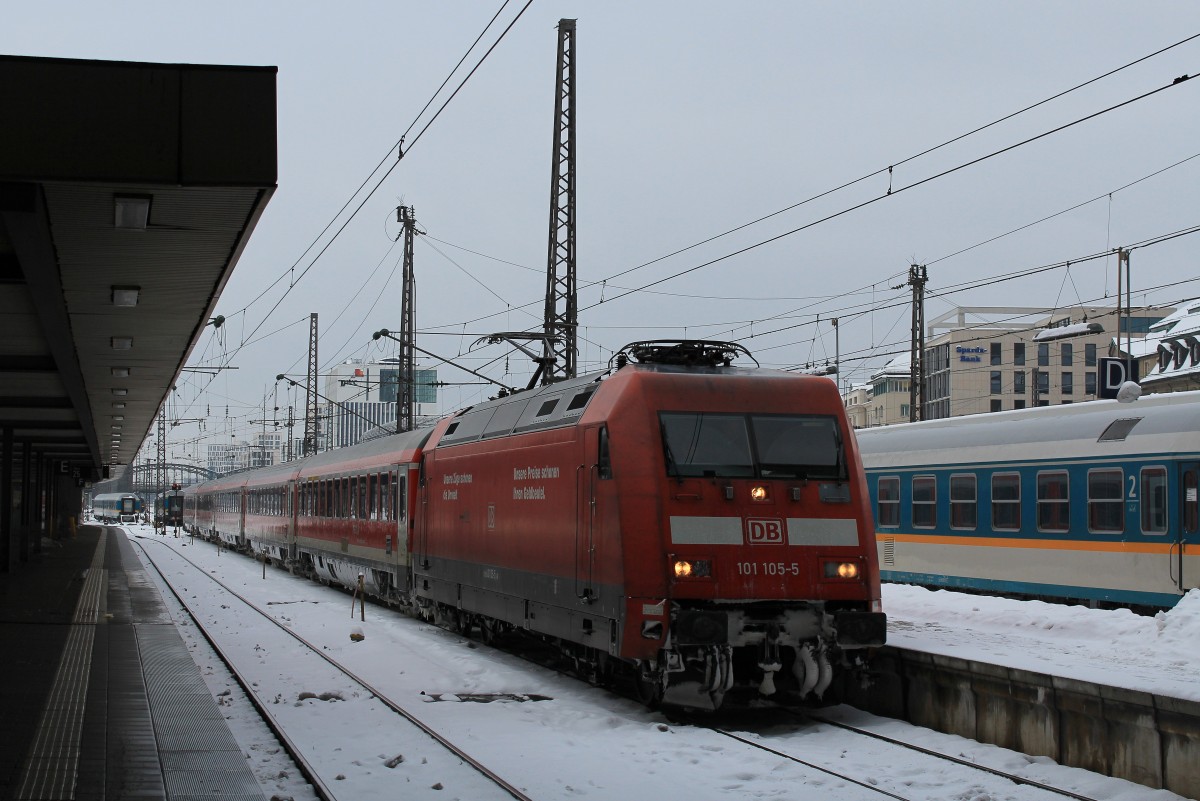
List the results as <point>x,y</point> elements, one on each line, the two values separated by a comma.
<point>131,212</point>
<point>120,372</point>
<point>119,391</point>
<point>118,405</point>
<point>125,295</point>
<point>122,343</point>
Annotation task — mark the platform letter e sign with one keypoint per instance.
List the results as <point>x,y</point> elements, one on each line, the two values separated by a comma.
<point>762,530</point>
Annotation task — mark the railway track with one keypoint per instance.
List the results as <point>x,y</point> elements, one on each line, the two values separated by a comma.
<point>904,784</point>
<point>1014,778</point>
<point>1055,792</point>
<point>482,783</point>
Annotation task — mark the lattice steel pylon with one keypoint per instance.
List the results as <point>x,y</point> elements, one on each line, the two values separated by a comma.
<point>160,472</point>
<point>310,390</point>
<point>404,392</point>
<point>562,318</point>
<point>917,276</point>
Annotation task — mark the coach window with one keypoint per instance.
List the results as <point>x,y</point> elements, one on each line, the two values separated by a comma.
<point>924,501</point>
<point>1053,501</point>
<point>364,496</point>
<point>386,512</point>
<point>1153,498</point>
<point>1006,501</point>
<point>344,510</point>
<point>1105,504</point>
<point>963,507</point>
<point>889,501</point>
<point>401,498</point>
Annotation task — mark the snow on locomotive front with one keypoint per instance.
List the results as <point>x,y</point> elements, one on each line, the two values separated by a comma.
<point>750,566</point>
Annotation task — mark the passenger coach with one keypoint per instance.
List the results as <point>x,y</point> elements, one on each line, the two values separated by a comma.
<point>1090,502</point>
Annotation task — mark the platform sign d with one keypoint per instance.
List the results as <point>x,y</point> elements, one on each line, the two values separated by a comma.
<point>1114,373</point>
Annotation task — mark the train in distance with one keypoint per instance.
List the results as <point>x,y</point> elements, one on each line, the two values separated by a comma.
<point>698,529</point>
<point>1088,503</point>
<point>117,507</point>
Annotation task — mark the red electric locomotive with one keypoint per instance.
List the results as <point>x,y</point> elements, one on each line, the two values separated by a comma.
<point>707,524</point>
<point>700,527</point>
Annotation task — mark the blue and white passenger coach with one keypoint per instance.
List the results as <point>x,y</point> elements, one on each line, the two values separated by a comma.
<point>1092,501</point>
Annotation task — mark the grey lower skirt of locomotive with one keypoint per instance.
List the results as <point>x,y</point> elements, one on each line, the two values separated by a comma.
<point>728,656</point>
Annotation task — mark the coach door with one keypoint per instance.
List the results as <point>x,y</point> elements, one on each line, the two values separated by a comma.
<point>1189,518</point>
<point>586,476</point>
<point>291,507</point>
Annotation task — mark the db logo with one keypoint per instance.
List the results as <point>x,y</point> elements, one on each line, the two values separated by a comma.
<point>760,530</point>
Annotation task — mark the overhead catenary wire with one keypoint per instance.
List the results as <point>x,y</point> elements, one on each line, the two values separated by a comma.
<point>394,149</point>
<point>897,163</point>
<point>893,192</point>
<point>392,168</point>
<point>914,157</point>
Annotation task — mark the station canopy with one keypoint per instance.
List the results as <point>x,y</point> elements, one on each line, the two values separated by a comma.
<point>127,193</point>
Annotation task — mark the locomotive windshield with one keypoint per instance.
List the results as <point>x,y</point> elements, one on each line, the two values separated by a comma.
<point>745,446</point>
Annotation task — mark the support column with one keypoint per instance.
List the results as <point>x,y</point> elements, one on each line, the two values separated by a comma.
<point>51,501</point>
<point>26,500</point>
<point>6,475</point>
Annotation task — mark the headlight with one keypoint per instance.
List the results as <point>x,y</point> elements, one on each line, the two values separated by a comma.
<point>759,493</point>
<point>841,570</point>
<point>693,568</point>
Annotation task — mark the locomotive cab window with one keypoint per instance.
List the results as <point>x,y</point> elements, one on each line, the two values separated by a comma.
<point>697,445</point>
<point>748,446</point>
<point>798,447</point>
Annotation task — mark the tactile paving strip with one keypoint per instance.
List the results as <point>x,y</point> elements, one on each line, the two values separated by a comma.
<point>53,764</point>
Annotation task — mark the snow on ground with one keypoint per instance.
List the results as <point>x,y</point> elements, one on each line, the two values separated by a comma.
<point>1116,647</point>
<point>587,742</point>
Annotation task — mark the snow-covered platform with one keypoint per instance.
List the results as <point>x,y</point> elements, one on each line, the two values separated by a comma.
<point>1105,690</point>
<point>101,698</point>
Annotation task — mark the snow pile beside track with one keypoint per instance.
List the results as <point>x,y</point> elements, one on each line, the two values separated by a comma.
<point>1114,647</point>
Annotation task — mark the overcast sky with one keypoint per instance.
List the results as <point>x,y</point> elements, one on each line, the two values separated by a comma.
<point>693,118</point>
